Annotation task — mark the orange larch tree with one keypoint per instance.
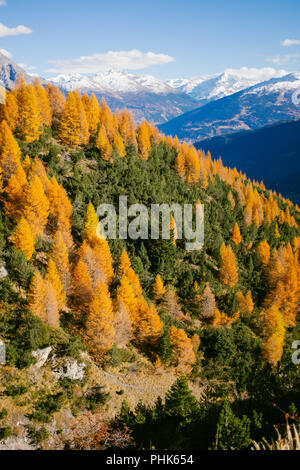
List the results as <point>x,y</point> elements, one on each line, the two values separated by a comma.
<point>23,239</point>
<point>36,208</point>
<point>9,152</point>
<point>236,234</point>
<point>229,269</point>
<point>183,355</point>
<point>100,320</point>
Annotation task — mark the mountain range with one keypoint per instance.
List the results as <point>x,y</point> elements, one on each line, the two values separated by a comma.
<point>262,104</point>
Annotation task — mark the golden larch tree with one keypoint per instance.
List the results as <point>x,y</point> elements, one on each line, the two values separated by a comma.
<point>60,256</point>
<point>158,288</point>
<point>82,285</point>
<point>23,239</point>
<point>103,144</point>
<point>236,234</point>
<point>263,250</point>
<point>149,328</point>
<point>183,355</point>
<point>43,103</point>
<point>36,296</point>
<point>69,128</point>
<point>15,194</point>
<point>228,269</point>
<point>100,320</point>
<point>9,111</point>
<point>53,277</point>
<point>57,102</point>
<point>36,208</point>
<point>9,152</point>
<point>274,334</point>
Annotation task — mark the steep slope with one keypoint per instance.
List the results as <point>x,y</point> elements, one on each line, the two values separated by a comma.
<point>211,88</point>
<point>145,96</point>
<point>271,154</point>
<point>257,106</point>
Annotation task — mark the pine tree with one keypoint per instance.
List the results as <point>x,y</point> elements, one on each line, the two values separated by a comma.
<point>36,207</point>
<point>236,234</point>
<point>9,152</point>
<point>53,277</point>
<point>23,239</point>
<point>228,270</point>
<point>100,320</point>
<point>158,288</point>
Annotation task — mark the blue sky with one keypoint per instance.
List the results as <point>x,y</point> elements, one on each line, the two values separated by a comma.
<point>185,38</point>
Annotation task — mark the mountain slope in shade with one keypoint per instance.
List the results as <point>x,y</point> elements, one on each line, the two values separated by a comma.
<point>214,87</point>
<point>263,104</point>
<point>145,96</point>
<point>9,72</point>
<point>271,154</point>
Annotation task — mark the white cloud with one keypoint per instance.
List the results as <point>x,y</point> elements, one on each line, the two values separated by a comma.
<point>2,3</point>
<point>290,42</point>
<point>121,60</point>
<point>6,53</point>
<point>6,31</point>
<point>284,59</point>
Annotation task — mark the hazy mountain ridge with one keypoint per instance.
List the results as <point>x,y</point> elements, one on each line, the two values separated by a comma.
<point>274,147</point>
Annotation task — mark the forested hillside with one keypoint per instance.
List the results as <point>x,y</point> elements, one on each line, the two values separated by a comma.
<point>221,319</point>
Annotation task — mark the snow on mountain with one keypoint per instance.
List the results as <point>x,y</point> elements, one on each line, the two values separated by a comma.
<point>265,103</point>
<point>214,87</point>
<point>9,72</point>
<point>114,82</point>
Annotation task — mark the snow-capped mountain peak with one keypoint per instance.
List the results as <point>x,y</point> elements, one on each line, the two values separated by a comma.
<point>113,81</point>
<point>210,88</point>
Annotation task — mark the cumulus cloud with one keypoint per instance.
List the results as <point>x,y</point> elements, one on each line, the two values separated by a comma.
<point>6,53</point>
<point>284,59</point>
<point>290,42</point>
<point>120,60</point>
<point>2,3</point>
<point>6,31</point>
